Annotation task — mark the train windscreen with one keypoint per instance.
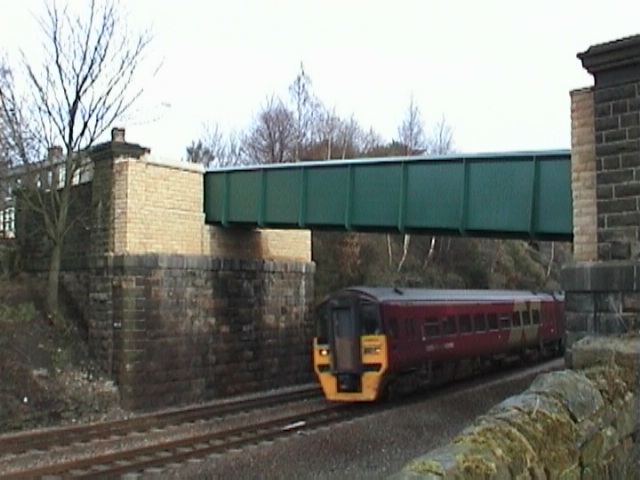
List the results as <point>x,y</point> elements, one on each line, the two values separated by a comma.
<point>322,323</point>
<point>345,346</point>
<point>343,325</point>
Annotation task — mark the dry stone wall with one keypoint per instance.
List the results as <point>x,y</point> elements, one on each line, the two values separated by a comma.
<point>573,424</point>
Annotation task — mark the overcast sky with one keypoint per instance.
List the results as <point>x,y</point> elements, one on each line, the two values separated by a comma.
<point>500,71</point>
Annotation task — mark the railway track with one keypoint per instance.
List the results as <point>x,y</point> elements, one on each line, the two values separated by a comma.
<point>58,440</point>
<point>98,455</point>
<point>44,439</point>
<point>161,454</point>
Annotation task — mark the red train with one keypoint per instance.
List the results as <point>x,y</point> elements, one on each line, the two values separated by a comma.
<point>376,341</point>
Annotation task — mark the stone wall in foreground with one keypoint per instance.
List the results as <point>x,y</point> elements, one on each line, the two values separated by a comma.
<point>574,424</point>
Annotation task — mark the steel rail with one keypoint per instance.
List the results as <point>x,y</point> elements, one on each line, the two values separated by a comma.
<point>44,439</point>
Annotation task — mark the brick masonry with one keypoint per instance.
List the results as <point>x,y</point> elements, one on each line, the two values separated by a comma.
<point>159,208</point>
<point>583,176</point>
<point>617,141</point>
<point>176,329</point>
<point>602,286</point>
<point>175,310</point>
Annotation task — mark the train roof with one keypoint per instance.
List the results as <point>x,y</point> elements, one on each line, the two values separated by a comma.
<point>395,294</point>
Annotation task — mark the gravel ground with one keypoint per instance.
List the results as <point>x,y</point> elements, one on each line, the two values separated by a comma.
<point>372,447</point>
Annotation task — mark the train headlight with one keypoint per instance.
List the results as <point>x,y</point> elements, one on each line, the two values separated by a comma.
<point>324,352</point>
<point>371,350</point>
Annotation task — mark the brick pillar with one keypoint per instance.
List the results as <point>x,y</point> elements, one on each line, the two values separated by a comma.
<point>603,286</point>
<point>583,176</point>
<point>99,316</point>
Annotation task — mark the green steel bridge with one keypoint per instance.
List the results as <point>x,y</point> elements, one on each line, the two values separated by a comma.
<point>512,195</point>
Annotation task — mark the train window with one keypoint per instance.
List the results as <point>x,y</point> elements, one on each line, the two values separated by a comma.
<point>322,323</point>
<point>515,317</point>
<point>479,323</point>
<point>343,325</point>
<point>505,322</point>
<point>449,325</point>
<point>465,323</point>
<point>370,319</point>
<point>526,318</point>
<point>431,328</point>
<point>392,328</point>
<point>492,320</point>
<point>410,327</point>
<point>536,317</point>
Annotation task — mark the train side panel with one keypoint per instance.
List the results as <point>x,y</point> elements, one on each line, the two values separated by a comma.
<point>369,343</point>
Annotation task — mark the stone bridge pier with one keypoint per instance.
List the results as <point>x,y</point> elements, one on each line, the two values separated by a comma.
<point>603,286</point>
<point>177,311</point>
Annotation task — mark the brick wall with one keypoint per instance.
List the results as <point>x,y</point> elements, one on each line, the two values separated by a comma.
<point>159,208</point>
<point>617,137</point>
<point>175,329</point>
<point>583,176</point>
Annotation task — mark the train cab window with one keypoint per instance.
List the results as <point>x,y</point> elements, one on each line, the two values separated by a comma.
<point>465,323</point>
<point>392,328</point>
<point>479,323</point>
<point>505,322</point>
<point>370,319</point>
<point>526,318</point>
<point>343,324</point>
<point>536,317</point>
<point>492,320</point>
<point>515,317</point>
<point>431,328</point>
<point>410,328</point>
<point>322,323</point>
<point>449,325</point>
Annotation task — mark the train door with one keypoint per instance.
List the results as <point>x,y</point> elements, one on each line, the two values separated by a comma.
<point>557,331</point>
<point>531,323</point>
<point>345,337</point>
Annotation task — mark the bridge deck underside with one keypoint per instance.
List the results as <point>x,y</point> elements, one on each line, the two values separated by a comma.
<point>517,195</point>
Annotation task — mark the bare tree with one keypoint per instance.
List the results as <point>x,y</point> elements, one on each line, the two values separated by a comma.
<point>411,131</point>
<point>215,149</point>
<point>441,140</point>
<point>412,138</point>
<point>209,150</point>
<point>235,151</point>
<point>328,127</point>
<point>307,112</point>
<point>17,131</point>
<point>199,152</point>
<point>271,139</point>
<point>84,84</point>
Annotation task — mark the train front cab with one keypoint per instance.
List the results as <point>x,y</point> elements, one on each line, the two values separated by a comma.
<point>349,349</point>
